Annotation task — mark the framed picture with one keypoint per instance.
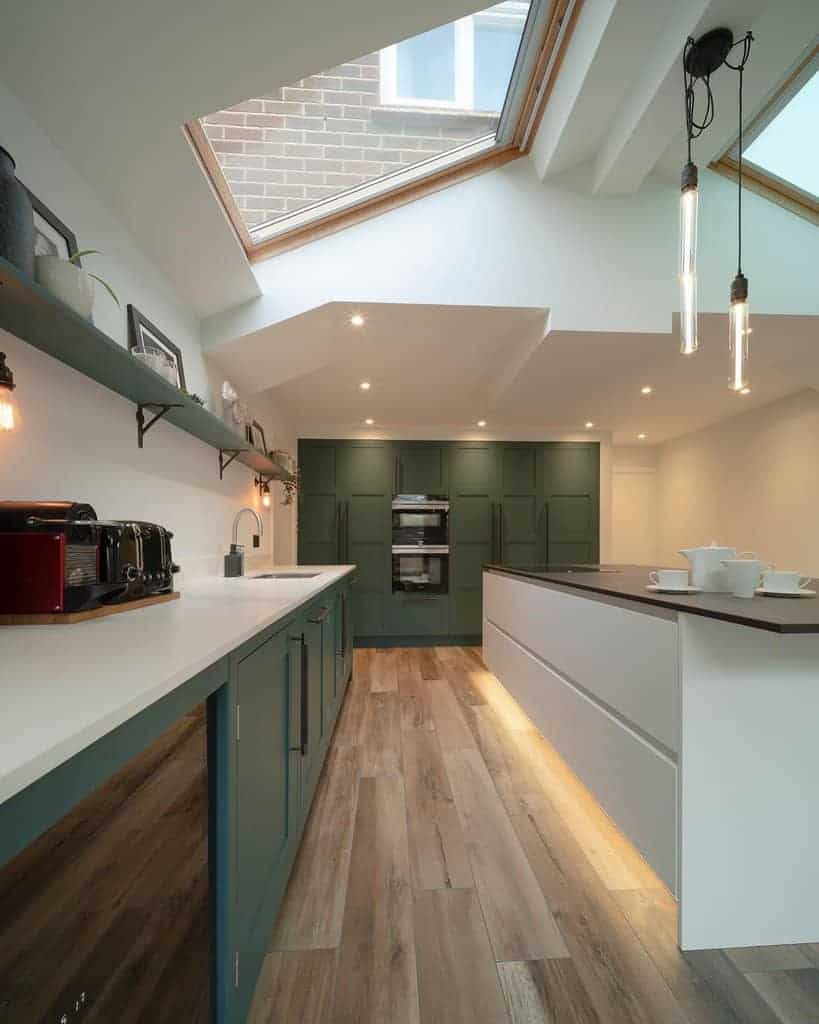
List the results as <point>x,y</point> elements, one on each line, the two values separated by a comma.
<point>143,336</point>
<point>51,236</point>
<point>255,434</point>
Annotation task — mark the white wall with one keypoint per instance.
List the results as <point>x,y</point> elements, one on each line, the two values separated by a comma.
<point>77,440</point>
<point>751,482</point>
<point>503,238</point>
<point>634,505</point>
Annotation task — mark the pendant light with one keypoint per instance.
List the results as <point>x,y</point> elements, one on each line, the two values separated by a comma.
<point>738,329</point>
<point>7,404</point>
<point>701,58</point>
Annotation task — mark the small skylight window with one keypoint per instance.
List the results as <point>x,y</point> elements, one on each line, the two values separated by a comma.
<point>380,122</point>
<point>781,143</point>
<point>788,146</point>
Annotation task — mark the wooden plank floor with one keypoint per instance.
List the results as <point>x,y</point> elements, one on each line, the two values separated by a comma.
<point>454,871</point>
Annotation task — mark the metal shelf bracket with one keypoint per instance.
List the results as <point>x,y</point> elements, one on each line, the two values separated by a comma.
<point>223,462</point>
<point>159,409</point>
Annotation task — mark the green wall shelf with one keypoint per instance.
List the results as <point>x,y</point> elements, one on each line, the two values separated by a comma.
<point>35,316</point>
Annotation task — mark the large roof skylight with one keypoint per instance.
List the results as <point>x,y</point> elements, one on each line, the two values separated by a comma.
<point>371,125</point>
<point>788,145</point>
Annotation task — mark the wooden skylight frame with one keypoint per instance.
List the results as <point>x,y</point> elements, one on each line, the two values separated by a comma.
<point>756,178</point>
<point>555,33</point>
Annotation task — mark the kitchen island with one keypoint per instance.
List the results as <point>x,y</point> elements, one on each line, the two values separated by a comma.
<point>269,659</point>
<point>693,720</point>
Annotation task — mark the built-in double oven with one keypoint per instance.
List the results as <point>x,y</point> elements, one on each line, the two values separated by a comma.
<point>420,543</point>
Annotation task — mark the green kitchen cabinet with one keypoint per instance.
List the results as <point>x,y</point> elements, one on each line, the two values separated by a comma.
<point>514,502</point>
<point>344,517</point>
<point>474,473</point>
<point>520,504</point>
<point>420,468</point>
<point>320,509</point>
<point>365,475</point>
<point>344,640</point>
<point>266,789</point>
<point>571,502</point>
<point>330,685</point>
<point>420,615</point>
<point>312,665</point>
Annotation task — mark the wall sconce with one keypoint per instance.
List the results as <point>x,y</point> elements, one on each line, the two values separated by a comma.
<point>266,499</point>
<point>7,403</point>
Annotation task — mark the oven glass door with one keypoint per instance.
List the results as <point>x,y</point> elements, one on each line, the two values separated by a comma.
<point>421,526</point>
<point>420,571</point>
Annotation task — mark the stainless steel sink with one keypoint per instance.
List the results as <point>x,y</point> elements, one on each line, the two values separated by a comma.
<point>285,576</point>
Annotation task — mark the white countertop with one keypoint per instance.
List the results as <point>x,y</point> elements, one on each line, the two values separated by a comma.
<point>64,687</point>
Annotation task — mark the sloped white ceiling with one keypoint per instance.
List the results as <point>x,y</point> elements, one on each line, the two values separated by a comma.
<point>112,83</point>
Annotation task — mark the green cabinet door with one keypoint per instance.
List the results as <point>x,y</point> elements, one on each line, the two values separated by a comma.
<point>474,472</point>
<point>421,468</point>
<point>571,496</point>
<point>365,477</point>
<point>330,687</point>
<point>520,504</point>
<point>416,615</point>
<point>311,761</point>
<point>320,509</point>
<point>266,794</point>
<point>344,640</point>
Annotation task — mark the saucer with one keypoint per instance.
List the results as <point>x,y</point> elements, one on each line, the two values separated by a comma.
<point>784,593</point>
<point>655,589</point>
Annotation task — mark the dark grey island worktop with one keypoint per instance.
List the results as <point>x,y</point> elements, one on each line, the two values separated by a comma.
<point>628,582</point>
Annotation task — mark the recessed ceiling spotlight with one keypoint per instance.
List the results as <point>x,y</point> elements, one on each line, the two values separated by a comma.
<point>745,391</point>
<point>641,437</point>
<point>357,320</point>
<point>481,423</point>
<point>369,422</point>
<point>364,385</point>
<point>646,389</point>
<point>589,424</point>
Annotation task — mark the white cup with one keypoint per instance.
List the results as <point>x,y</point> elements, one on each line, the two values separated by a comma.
<point>783,581</point>
<point>669,579</point>
<point>743,575</point>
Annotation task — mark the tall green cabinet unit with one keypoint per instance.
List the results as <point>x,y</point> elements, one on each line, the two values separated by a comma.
<point>344,517</point>
<point>520,503</point>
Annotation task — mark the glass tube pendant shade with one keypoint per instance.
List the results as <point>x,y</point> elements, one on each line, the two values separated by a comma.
<point>689,202</point>
<point>738,331</point>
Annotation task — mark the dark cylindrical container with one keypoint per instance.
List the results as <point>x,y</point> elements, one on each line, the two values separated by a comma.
<point>16,218</point>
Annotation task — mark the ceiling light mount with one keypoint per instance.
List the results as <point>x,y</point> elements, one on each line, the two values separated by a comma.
<point>704,55</point>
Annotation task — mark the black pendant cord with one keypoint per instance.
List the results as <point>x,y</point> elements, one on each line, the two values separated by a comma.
<point>745,43</point>
<point>693,128</point>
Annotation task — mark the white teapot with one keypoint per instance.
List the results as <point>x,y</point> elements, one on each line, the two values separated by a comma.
<point>707,571</point>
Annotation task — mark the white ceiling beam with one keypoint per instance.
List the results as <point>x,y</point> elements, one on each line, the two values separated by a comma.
<point>581,54</point>
<point>651,115</point>
<point>600,65</point>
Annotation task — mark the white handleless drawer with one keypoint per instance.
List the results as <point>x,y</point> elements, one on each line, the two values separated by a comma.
<point>626,659</point>
<point>634,783</point>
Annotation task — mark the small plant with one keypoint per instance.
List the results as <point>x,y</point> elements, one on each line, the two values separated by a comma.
<point>75,259</point>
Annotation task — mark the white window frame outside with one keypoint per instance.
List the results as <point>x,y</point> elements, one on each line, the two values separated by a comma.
<point>512,10</point>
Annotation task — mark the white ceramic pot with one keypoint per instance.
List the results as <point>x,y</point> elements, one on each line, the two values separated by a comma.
<point>707,570</point>
<point>70,284</point>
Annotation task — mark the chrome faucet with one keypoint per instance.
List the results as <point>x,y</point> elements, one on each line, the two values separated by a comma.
<point>235,560</point>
